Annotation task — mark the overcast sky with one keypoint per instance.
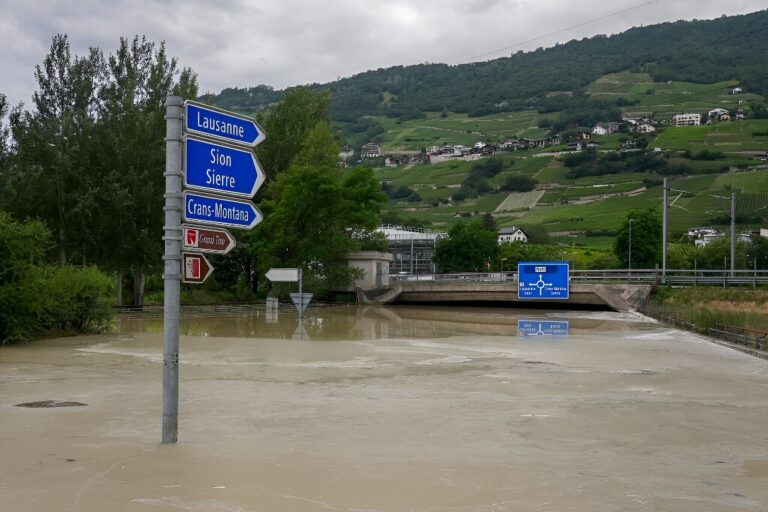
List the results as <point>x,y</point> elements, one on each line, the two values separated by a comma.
<point>289,42</point>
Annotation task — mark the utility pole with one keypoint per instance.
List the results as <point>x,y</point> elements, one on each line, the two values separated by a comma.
<point>630,245</point>
<point>172,267</point>
<point>665,220</point>
<point>733,234</point>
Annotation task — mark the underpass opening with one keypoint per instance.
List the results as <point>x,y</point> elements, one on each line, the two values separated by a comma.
<point>558,306</point>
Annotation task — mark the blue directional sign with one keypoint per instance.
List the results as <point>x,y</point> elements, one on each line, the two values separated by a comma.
<point>222,169</point>
<point>542,280</point>
<point>221,124</point>
<point>541,328</point>
<point>220,211</point>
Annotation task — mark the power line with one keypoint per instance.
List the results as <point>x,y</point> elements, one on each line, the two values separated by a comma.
<point>593,20</point>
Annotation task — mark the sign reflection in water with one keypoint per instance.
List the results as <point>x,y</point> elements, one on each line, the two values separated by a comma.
<point>542,328</point>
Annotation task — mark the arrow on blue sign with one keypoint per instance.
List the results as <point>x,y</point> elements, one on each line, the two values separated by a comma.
<point>220,211</point>
<point>221,124</point>
<point>217,168</point>
<point>542,280</point>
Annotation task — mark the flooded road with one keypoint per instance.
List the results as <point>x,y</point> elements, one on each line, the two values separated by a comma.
<point>387,409</point>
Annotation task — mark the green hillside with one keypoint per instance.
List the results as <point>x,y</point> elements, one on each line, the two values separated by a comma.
<point>656,71</point>
<point>702,52</point>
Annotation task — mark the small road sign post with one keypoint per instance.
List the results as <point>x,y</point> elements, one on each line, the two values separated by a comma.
<point>210,240</point>
<point>543,280</point>
<point>284,275</point>
<point>291,275</point>
<point>196,268</point>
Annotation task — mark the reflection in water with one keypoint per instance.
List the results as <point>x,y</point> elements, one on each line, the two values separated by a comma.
<point>384,322</point>
<point>541,328</point>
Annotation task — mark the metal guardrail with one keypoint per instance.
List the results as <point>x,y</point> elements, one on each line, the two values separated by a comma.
<point>741,335</point>
<point>640,276</point>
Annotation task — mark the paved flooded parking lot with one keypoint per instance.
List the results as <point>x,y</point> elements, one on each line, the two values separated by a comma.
<point>388,409</point>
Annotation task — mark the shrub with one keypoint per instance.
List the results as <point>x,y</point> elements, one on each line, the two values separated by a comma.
<point>37,299</point>
<point>76,300</point>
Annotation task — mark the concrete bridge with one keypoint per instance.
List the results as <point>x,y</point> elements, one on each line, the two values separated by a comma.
<point>619,290</point>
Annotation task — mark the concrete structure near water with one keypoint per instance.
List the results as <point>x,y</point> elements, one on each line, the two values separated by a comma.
<point>617,297</point>
<point>374,266</point>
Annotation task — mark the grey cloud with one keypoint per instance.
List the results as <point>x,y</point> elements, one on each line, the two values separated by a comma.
<point>288,42</point>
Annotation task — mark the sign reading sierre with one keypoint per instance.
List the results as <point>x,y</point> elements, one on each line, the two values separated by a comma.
<point>221,169</point>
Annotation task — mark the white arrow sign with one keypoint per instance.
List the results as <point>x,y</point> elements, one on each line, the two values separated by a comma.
<point>286,275</point>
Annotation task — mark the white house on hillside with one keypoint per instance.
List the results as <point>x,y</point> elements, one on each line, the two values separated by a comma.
<point>599,130</point>
<point>687,119</point>
<point>645,128</point>
<point>370,150</point>
<point>513,234</point>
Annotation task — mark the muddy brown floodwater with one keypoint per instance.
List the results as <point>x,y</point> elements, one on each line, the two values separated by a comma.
<point>387,409</point>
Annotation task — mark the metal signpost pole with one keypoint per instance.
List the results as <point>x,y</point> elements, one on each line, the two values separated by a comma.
<point>172,267</point>
<point>301,295</point>
<point>665,213</point>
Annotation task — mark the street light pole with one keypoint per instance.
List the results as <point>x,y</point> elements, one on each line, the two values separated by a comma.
<point>664,222</point>
<point>630,244</point>
<point>733,235</point>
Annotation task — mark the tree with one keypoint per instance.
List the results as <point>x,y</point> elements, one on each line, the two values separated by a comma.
<point>469,247</point>
<point>536,234</point>
<point>288,127</point>
<point>4,133</point>
<point>89,158</point>
<point>54,146</point>
<point>519,183</point>
<point>717,255</point>
<point>318,216</point>
<point>140,75</point>
<point>646,239</point>
<point>757,253</point>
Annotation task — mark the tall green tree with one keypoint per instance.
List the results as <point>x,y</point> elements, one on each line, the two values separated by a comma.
<point>140,75</point>
<point>717,255</point>
<point>5,149</point>
<point>298,134</point>
<point>4,132</point>
<point>317,220</point>
<point>469,247</point>
<point>288,127</point>
<point>757,252</point>
<point>54,146</point>
<point>89,158</point>
<point>646,239</point>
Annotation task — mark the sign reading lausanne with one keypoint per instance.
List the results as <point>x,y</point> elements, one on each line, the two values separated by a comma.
<point>220,211</point>
<point>221,124</point>
<point>224,169</point>
<point>542,280</point>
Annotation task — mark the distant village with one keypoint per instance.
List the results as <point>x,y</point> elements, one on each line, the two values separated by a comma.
<point>574,140</point>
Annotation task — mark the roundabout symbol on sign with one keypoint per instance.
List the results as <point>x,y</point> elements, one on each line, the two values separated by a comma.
<point>540,284</point>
